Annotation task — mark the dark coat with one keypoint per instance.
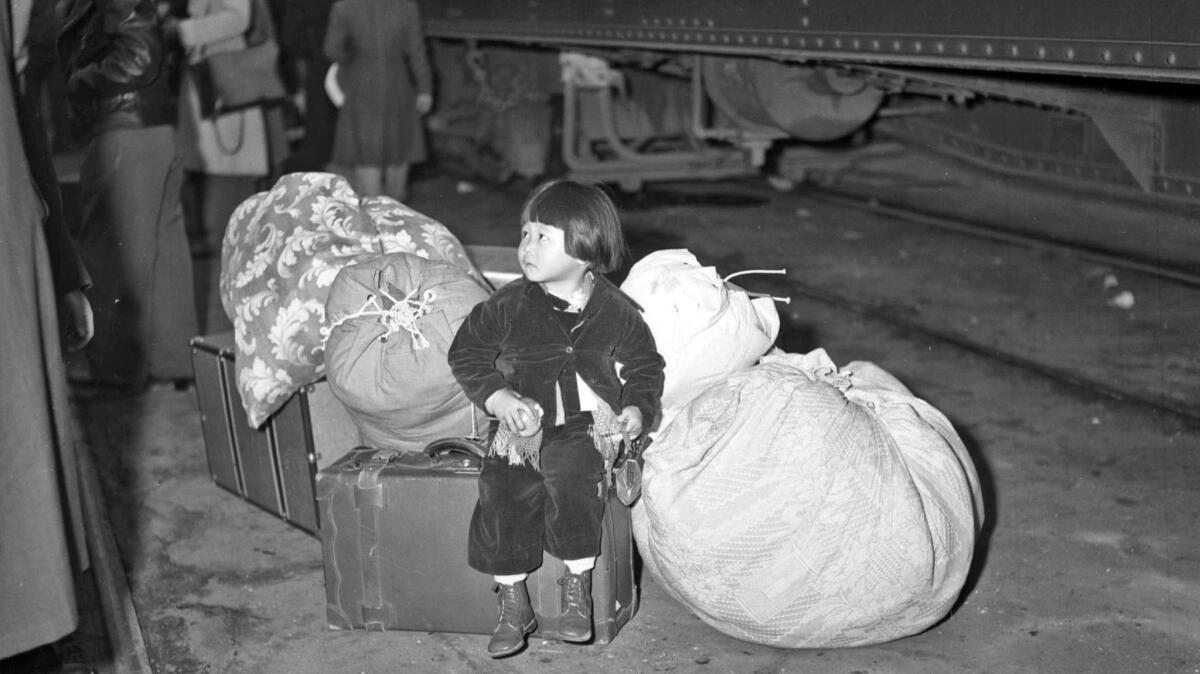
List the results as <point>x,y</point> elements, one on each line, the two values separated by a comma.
<point>513,340</point>
<point>41,532</point>
<point>382,66</point>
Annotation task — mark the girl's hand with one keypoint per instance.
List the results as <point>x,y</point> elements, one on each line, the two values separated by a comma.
<point>630,419</point>
<point>516,413</point>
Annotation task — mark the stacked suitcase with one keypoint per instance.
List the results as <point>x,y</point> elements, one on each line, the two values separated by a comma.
<point>394,538</point>
<point>273,467</point>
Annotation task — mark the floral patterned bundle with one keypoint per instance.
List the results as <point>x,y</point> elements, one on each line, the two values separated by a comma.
<point>282,251</point>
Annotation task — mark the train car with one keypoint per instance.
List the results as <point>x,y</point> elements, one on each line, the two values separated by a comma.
<point>1100,94</point>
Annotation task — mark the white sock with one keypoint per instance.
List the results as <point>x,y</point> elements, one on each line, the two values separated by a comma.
<point>578,566</point>
<point>510,580</point>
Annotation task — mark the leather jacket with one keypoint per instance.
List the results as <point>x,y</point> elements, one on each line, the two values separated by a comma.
<point>115,64</point>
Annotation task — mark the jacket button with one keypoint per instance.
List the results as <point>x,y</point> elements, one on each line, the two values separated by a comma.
<point>570,349</point>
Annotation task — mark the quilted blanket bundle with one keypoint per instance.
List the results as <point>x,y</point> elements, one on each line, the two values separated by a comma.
<point>801,505</point>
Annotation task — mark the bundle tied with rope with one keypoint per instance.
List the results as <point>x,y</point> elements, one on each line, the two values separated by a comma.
<point>391,322</point>
<point>705,327</point>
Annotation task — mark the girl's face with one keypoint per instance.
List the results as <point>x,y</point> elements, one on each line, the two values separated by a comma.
<point>544,258</point>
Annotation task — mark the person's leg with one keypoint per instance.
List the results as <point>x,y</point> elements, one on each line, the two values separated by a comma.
<point>505,540</point>
<point>367,181</point>
<point>114,243</point>
<point>396,182</point>
<point>172,304</point>
<point>575,497</point>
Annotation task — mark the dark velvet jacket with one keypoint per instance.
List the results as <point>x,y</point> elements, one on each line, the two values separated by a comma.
<point>513,340</point>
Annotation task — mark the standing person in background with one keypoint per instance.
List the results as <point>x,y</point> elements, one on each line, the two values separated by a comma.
<point>379,47</point>
<point>132,225</point>
<point>42,547</point>
<point>229,154</point>
<point>302,35</point>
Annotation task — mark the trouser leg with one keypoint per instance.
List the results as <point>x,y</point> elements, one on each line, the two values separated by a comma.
<point>522,510</point>
<point>575,491</point>
<point>137,254</point>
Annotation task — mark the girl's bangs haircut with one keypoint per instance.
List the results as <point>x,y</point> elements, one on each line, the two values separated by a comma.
<point>588,218</point>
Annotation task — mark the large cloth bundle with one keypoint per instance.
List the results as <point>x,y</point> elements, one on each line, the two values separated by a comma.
<point>283,249</point>
<point>392,320</point>
<point>704,328</point>
<point>803,506</point>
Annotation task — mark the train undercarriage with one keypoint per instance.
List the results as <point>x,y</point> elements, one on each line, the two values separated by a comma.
<point>622,93</point>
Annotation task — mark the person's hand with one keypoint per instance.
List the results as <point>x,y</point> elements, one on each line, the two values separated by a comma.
<point>630,420</point>
<point>75,318</point>
<point>424,103</point>
<point>516,413</point>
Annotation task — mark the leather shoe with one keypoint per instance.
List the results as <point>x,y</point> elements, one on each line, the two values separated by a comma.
<point>575,625</point>
<point>516,621</point>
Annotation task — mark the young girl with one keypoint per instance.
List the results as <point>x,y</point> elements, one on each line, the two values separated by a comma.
<point>551,355</point>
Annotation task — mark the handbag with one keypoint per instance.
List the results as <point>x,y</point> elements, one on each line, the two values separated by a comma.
<point>627,471</point>
<point>249,77</point>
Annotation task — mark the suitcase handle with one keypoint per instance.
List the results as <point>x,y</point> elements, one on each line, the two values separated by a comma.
<point>465,446</point>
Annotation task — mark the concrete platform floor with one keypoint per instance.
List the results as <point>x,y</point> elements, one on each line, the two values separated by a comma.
<point>1089,561</point>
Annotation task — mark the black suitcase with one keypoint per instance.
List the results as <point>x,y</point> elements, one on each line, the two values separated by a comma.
<point>394,541</point>
<point>273,467</point>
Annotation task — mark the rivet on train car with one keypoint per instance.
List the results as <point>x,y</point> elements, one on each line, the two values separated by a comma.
<point>1187,188</point>
<point>1041,52</point>
<point>771,40</point>
<point>1070,53</point>
<point>941,47</point>
<point>895,45</point>
<point>918,47</point>
<point>963,48</point>
<point>1106,54</point>
<point>1014,50</point>
<point>1172,59</point>
<point>987,49</point>
<point>1137,57</point>
<point>804,21</point>
<point>875,45</point>
<point>857,43</point>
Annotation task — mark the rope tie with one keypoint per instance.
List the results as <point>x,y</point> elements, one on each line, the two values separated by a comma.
<point>402,314</point>
<point>782,300</point>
